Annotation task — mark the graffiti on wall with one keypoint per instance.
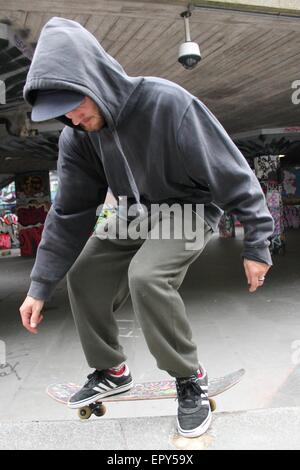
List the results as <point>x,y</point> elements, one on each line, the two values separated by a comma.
<point>8,197</point>
<point>269,175</point>
<point>33,204</point>
<point>227,226</point>
<point>34,214</point>
<point>291,185</point>
<point>30,239</point>
<point>291,217</point>
<point>8,219</point>
<point>9,231</point>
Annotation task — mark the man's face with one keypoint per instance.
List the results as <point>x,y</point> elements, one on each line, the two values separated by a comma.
<point>88,115</point>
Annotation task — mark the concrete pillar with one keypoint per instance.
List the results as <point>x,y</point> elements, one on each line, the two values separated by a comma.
<point>33,203</point>
<point>267,169</point>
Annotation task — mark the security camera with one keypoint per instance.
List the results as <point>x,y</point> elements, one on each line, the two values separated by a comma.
<point>189,54</point>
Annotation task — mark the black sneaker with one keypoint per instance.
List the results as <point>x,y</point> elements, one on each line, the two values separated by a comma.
<point>101,384</point>
<point>194,413</point>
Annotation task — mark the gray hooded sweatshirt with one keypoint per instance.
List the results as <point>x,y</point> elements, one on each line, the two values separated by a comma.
<point>160,144</point>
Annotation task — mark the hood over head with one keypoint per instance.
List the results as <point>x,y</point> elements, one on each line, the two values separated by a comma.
<point>69,57</point>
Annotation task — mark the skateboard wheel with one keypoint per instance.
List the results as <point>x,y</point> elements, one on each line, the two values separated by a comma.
<point>84,413</point>
<point>100,410</point>
<point>213,405</point>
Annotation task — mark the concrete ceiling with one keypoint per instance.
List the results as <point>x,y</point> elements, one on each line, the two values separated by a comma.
<point>249,60</point>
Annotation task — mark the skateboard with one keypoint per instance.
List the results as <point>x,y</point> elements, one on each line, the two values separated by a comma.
<point>141,391</point>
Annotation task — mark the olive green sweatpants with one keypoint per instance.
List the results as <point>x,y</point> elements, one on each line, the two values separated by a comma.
<point>151,271</point>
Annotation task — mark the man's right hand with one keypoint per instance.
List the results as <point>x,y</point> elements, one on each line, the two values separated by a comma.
<point>30,312</point>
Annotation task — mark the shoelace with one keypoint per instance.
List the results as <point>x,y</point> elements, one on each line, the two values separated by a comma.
<point>94,378</point>
<point>188,390</point>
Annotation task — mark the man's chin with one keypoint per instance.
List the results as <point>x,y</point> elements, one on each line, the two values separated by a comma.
<point>90,128</point>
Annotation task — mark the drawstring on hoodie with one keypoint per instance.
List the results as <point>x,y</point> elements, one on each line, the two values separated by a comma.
<point>130,177</point>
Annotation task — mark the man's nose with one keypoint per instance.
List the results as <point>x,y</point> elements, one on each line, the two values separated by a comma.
<point>75,118</point>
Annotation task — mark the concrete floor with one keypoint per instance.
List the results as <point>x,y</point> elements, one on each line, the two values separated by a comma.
<point>233,329</point>
<point>270,429</point>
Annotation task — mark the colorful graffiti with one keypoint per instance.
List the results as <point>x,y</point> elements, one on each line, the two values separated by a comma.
<point>30,239</point>
<point>291,217</point>
<point>31,186</point>
<point>9,231</point>
<point>268,172</point>
<point>106,212</point>
<point>8,198</point>
<point>33,214</point>
<point>291,185</point>
<point>8,219</point>
<point>227,226</point>
<point>31,223</point>
<point>33,204</point>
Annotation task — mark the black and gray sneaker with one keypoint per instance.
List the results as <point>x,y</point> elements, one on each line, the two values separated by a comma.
<point>101,384</point>
<point>194,413</point>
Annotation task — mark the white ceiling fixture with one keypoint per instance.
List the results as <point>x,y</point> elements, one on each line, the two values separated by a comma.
<point>189,52</point>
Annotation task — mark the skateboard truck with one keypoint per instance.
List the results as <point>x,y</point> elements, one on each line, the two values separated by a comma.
<point>97,409</point>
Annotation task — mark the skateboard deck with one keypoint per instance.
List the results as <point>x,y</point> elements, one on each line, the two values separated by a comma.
<point>141,391</point>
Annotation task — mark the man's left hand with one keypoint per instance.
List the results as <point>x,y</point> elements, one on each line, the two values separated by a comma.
<point>255,273</point>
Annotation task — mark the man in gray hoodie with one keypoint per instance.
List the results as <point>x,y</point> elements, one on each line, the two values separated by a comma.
<point>151,141</point>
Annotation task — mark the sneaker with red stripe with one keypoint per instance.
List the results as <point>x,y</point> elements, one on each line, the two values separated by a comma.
<point>101,384</point>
